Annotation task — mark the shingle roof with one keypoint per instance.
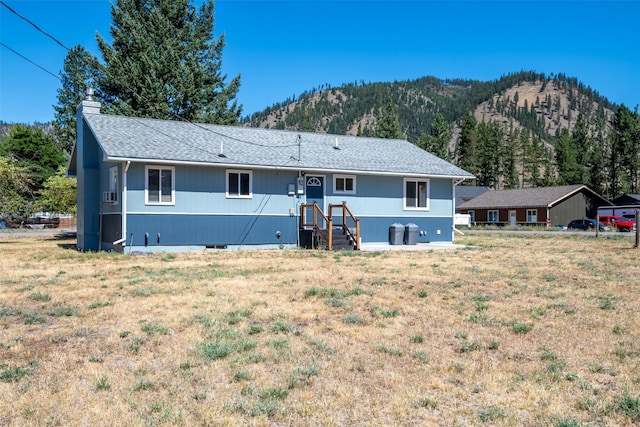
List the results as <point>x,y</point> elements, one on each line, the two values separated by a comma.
<point>524,197</point>
<point>131,138</point>
<point>468,192</point>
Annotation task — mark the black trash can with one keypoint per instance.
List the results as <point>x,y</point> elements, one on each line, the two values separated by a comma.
<point>411,234</point>
<point>396,234</point>
<point>306,238</point>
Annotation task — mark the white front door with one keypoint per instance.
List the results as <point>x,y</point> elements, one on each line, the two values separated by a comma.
<point>512,218</point>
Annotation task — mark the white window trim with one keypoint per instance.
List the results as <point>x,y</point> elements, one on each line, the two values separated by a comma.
<point>173,185</point>
<point>345,177</point>
<point>404,194</point>
<point>497,212</point>
<point>472,215</point>
<point>239,196</point>
<point>535,215</point>
<point>114,184</point>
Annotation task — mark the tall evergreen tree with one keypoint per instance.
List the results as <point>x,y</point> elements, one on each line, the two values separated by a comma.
<point>581,142</point>
<point>81,70</point>
<point>466,146</point>
<point>566,163</point>
<point>510,172</point>
<point>437,142</point>
<point>165,63</point>
<point>490,139</point>
<point>625,151</point>
<point>388,125</point>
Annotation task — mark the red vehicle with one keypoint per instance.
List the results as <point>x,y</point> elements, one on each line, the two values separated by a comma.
<point>618,223</point>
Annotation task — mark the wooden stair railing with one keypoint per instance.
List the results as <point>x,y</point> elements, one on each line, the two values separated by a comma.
<point>347,215</point>
<point>343,221</point>
<point>326,237</point>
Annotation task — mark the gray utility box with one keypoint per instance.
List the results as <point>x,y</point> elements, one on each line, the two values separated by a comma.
<point>411,234</point>
<point>396,234</point>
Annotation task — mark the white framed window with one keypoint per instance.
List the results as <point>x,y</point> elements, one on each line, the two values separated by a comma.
<point>114,184</point>
<point>113,179</point>
<point>532,215</point>
<point>344,184</point>
<point>492,216</point>
<point>416,194</point>
<point>239,184</point>
<point>472,216</point>
<point>159,185</point>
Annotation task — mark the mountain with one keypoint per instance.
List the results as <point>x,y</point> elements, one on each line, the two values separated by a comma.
<point>542,104</point>
<point>526,112</point>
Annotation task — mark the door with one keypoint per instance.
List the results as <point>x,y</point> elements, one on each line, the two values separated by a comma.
<point>512,218</point>
<point>315,193</point>
<point>315,190</point>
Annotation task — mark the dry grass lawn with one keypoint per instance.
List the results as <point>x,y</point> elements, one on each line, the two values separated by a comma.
<point>533,330</point>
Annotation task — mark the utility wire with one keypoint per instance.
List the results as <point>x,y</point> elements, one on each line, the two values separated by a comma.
<point>34,25</point>
<point>28,60</point>
<point>82,59</point>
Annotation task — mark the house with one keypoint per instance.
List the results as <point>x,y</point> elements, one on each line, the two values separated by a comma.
<point>464,193</point>
<point>153,185</point>
<point>534,206</point>
<point>627,199</point>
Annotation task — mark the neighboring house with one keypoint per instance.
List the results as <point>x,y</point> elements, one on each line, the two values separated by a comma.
<point>464,193</point>
<point>627,200</point>
<point>534,206</point>
<point>151,185</point>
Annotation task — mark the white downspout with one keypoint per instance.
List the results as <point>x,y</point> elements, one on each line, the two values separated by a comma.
<point>123,239</point>
<point>453,203</point>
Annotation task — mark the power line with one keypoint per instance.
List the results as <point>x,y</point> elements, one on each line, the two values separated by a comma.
<point>28,60</point>
<point>34,25</point>
<point>82,59</point>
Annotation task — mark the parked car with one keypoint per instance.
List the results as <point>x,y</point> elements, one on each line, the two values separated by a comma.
<point>618,223</point>
<point>587,224</point>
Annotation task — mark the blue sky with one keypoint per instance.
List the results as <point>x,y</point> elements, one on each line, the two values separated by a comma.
<point>282,48</point>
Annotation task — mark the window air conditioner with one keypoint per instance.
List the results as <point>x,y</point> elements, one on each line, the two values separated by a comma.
<point>110,197</point>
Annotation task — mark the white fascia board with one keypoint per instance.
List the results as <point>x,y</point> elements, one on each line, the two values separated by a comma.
<point>306,169</point>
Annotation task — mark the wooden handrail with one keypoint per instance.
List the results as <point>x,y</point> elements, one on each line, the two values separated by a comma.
<point>347,214</point>
<point>328,236</point>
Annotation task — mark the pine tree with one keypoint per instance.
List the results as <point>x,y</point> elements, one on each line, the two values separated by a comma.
<point>566,164</point>
<point>466,146</point>
<point>388,125</point>
<point>510,172</point>
<point>165,63</point>
<point>490,139</point>
<point>81,70</point>
<point>437,142</point>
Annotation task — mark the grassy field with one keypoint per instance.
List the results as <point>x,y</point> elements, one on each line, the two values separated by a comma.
<point>516,330</point>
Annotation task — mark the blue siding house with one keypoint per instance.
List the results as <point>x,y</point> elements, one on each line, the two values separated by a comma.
<point>157,185</point>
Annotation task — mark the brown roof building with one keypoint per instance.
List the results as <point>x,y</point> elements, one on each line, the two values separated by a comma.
<point>534,206</point>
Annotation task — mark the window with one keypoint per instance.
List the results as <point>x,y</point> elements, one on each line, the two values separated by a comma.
<point>416,194</point>
<point>160,185</point>
<point>344,184</point>
<point>239,184</point>
<point>532,215</point>
<point>492,216</point>
<point>472,216</point>
<point>113,179</point>
<point>114,184</point>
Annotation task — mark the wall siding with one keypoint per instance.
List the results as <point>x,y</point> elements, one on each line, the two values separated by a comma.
<point>204,216</point>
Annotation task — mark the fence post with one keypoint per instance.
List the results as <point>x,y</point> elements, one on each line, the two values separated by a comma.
<point>637,230</point>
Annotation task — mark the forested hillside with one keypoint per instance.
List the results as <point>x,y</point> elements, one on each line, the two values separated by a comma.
<point>525,129</point>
